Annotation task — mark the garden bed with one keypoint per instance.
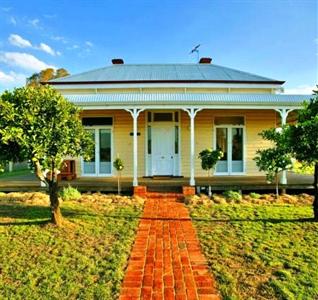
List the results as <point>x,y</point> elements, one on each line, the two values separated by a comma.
<point>84,259</point>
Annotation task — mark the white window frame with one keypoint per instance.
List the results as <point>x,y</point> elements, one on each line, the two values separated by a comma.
<point>229,144</point>
<point>97,151</point>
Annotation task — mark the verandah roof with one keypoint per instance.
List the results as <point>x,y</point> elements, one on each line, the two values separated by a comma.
<point>110,99</point>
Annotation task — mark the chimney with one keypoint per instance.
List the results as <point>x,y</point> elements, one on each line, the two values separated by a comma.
<point>117,61</point>
<point>205,60</point>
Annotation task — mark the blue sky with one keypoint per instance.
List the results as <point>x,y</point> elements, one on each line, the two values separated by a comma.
<point>273,38</point>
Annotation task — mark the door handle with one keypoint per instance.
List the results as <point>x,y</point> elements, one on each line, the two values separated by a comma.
<point>171,157</point>
<point>162,157</point>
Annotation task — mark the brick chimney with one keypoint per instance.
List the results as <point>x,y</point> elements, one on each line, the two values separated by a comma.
<point>205,60</point>
<point>117,61</point>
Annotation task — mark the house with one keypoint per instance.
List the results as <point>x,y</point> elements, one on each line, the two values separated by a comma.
<point>158,117</point>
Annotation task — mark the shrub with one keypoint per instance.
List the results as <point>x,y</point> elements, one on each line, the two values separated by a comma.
<point>255,195</point>
<point>233,195</point>
<point>70,193</point>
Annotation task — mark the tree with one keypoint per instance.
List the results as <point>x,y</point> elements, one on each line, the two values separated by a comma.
<point>209,158</point>
<point>39,125</point>
<point>119,166</point>
<point>46,75</point>
<point>276,159</point>
<point>302,141</point>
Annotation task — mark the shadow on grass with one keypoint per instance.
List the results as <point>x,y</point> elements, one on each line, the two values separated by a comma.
<point>39,215</point>
<point>264,220</point>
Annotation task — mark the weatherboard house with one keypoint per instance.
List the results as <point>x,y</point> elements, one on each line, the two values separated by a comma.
<point>158,117</point>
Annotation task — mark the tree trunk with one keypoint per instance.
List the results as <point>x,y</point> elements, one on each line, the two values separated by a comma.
<point>277,191</point>
<point>56,216</point>
<point>118,182</point>
<point>315,204</point>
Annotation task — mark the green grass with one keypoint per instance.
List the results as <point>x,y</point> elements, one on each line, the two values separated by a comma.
<point>83,260</point>
<point>260,252</point>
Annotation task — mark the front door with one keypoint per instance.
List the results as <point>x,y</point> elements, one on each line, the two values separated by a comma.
<point>163,150</point>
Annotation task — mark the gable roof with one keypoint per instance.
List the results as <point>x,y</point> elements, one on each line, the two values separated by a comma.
<point>176,73</point>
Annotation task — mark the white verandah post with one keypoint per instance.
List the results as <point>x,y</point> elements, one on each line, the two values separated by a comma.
<point>283,115</point>
<point>192,113</point>
<point>135,113</point>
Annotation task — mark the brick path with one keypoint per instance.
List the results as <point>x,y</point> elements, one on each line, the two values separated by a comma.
<point>166,260</point>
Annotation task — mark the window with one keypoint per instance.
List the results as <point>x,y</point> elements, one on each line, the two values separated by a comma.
<point>89,167</point>
<point>149,116</point>
<point>149,139</point>
<point>231,120</point>
<point>176,139</point>
<point>163,117</point>
<point>97,121</point>
<point>101,160</point>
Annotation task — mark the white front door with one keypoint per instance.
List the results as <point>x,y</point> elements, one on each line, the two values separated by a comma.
<point>163,150</point>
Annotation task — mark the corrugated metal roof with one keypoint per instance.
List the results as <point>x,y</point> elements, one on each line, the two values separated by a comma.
<point>164,72</point>
<point>187,99</point>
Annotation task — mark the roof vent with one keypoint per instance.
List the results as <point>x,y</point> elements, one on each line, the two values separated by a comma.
<point>205,60</point>
<point>117,61</point>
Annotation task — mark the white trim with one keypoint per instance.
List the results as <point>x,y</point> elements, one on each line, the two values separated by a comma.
<point>255,106</point>
<point>97,152</point>
<point>229,145</point>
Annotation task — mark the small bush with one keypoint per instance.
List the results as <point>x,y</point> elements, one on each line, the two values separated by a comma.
<point>70,193</point>
<point>255,195</point>
<point>233,195</point>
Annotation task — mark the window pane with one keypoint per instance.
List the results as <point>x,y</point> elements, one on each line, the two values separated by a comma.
<point>97,121</point>
<point>162,117</point>
<point>176,140</point>
<point>176,116</point>
<point>235,120</point>
<point>89,166</point>
<point>221,143</point>
<point>149,116</point>
<point>237,149</point>
<point>149,139</point>
<point>105,151</point>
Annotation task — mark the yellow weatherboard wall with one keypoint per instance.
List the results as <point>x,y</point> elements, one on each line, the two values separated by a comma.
<point>255,122</point>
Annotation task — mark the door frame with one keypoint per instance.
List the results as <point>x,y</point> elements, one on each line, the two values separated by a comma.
<point>148,157</point>
<point>229,147</point>
<point>97,152</point>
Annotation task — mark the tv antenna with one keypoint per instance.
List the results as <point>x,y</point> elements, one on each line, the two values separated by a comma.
<point>196,50</point>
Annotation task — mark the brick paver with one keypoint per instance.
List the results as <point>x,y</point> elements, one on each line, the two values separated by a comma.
<point>166,260</point>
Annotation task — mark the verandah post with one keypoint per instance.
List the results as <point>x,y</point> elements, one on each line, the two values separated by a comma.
<point>135,113</point>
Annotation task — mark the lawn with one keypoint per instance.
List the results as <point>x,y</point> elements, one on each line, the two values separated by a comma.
<point>83,260</point>
<point>260,251</point>
<point>15,173</point>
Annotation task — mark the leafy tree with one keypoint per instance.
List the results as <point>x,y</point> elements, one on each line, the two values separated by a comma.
<point>302,141</point>
<point>119,166</point>
<point>276,159</point>
<point>209,159</point>
<point>39,125</point>
<point>46,75</point>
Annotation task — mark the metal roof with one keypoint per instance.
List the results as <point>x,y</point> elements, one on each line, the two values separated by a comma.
<point>163,73</point>
<point>134,99</point>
